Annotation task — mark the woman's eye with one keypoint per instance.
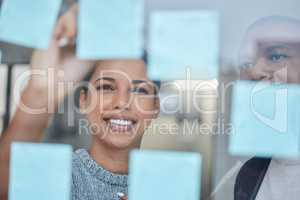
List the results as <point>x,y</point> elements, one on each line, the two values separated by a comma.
<point>105,87</point>
<point>278,57</point>
<point>140,91</point>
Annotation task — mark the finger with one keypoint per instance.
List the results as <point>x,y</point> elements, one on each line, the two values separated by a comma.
<point>71,23</point>
<point>124,198</point>
<point>66,32</point>
<point>71,26</point>
<point>59,29</point>
<point>65,28</point>
<point>67,25</point>
<point>63,42</point>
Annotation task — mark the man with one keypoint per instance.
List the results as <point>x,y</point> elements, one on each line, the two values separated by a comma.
<point>270,51</point>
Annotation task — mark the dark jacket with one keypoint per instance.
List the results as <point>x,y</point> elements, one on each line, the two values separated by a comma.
<point>250,178</point>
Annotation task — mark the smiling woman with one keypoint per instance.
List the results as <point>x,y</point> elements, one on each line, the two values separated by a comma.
<point>123,102</point>
<point>119,103</point>
<point>107,82</point>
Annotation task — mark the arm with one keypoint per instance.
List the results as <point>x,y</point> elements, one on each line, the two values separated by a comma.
<point>23,127</point>
<point>27,126</point>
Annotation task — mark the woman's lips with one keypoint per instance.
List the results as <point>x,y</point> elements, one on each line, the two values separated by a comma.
<point>120,125</point>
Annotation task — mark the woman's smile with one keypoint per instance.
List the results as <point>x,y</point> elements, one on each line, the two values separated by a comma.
<point>121,123</point>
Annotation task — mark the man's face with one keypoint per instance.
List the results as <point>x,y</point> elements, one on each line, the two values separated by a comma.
<point>276,61</point>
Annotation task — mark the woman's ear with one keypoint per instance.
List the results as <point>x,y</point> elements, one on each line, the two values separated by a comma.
<point>83,101</point>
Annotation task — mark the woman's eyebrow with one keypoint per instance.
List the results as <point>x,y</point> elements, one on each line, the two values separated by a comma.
<point>106,79</point>
<point>149,83</point>
<point>139,81</point>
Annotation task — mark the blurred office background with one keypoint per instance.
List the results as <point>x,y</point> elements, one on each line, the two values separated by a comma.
<point>219,168</point>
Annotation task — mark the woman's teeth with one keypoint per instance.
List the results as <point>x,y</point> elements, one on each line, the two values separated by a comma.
<point>120,122</point>
<point>120,125</point>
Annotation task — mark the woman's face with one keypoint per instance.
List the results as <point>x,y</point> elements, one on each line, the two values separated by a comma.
<point>121,104</point>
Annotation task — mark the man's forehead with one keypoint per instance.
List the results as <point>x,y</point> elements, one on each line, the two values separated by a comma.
<point>286,46</point>
<point>274,27</point>
<point>270,44</point>
<point>269,39</point>
<point>270,29</point>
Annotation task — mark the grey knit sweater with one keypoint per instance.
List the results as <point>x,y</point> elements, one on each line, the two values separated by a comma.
<point>91,182</point>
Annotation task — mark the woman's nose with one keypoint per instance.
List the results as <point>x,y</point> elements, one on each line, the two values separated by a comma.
<point>122,100</point>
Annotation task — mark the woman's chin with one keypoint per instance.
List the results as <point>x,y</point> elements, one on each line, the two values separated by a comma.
<point>119,141</point>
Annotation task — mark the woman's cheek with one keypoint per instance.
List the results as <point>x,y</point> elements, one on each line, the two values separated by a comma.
<point>104,102</point>
<point>144,108</point>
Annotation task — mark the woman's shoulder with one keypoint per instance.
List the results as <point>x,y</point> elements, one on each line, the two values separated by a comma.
<point>82,180</point>
<point>77,162</point>
<point>80,163</point>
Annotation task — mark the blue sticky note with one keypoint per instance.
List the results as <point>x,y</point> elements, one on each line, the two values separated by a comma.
<point>28,23</point>
<point>184,44</point>
<point>110,29</point>
<point>265,120</point>
<point>40,172</point>
<point>163,175</point>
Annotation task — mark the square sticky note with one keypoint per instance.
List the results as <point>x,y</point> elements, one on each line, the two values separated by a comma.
<point>184,44</point>
<point>40,172</point>
<point>110,29</point>
<point>28,23</point>
<point>164,175</point>
<point>265,119</point>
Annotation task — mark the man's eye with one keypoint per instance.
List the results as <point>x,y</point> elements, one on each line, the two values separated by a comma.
<point>140,91</point>
<point>105,87</point>
<point>247,65</point>
<point>277,57</point>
